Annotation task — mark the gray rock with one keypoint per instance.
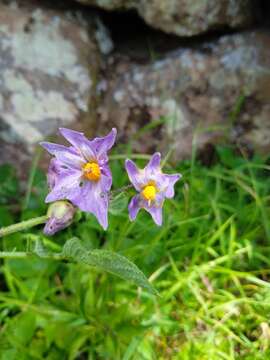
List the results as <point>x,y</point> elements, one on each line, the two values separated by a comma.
<point>185,17</point>
<point>194,95</point>
<point>48,64</point>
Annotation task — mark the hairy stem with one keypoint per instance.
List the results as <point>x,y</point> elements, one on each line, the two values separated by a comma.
<point>23,225</point>
<point>24,255</point>
<point>121,189</point>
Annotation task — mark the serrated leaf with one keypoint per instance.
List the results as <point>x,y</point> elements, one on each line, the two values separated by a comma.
<point>108,261</point>
<point>118,204</point>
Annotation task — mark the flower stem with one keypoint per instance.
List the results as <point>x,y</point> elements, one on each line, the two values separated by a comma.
<point>24,255</point>
<point>134,156</point>
<point>22,225</point>
<point>120,190</point>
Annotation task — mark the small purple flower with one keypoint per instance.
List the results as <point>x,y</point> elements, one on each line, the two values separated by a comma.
<point>80,173</point>
<point>60,216</point>
<point>153,187</point>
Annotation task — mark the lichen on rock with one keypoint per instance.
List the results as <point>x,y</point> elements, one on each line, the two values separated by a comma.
<point>48,64</point>
<point>185,17</point>
<point>192,92</point>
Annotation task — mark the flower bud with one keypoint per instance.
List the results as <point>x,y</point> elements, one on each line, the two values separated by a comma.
<point>60,215</point>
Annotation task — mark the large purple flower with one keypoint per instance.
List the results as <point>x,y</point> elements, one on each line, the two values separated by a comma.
<point>80,172</point>
<point>153,187</point>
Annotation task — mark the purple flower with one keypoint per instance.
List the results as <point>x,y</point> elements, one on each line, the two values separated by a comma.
<point>80,173</point>
<point>153,187</point>
<point>60,216</point>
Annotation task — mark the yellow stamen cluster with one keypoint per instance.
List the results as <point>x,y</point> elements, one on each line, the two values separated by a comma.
<point>91,171</point>
<point>149,192</point>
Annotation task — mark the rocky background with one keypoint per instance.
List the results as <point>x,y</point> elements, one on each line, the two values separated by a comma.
<point>194,72</point>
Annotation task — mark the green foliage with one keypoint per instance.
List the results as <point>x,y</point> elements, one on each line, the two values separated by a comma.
<point>107,261</point>
<point>9,183</point>
<point>118,204</point>
<point>209,262</point>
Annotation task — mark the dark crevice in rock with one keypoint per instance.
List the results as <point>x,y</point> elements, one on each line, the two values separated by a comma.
<point>132,37</point>
<point>137,40</point>
<point>265,12</point>
<point>45,4</point>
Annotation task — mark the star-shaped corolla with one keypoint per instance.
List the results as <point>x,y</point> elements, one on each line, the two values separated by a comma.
<point>80,173</point>
<point>153,187</point>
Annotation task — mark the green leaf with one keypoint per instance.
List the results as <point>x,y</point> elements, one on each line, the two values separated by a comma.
<point>108,261</point>
<point>118,203</point>
<point>21,328</point>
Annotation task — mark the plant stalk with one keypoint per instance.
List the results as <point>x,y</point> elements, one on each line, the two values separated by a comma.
<point>24,255</point>
<point>22,225</point>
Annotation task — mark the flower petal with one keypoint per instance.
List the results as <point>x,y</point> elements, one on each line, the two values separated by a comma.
<point>106,184</point>
<point>106,178</point>
<point>52,226</point>
<point>67,155</point>
<point>65,187</point>
<point>171,179</point>
<point>134,207</point>
<point>136,176</point>
<point>156,213</point>
<point>100,210</point>
<point>104,144</point>
<point>92,199</point>
<point>54,171</point>
<point>154,208</point>
<point>153,166</point>
<point>80,142</point>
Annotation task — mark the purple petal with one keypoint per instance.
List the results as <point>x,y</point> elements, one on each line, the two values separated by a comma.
<point>106,179</point>
<point>156,213</point>
<point>81,198</point>
<point>80,142</point>
<point>154,208</point>
<point>67,155</point>
<point>54,171</point>
<point>134,207</point>
<point>66,186</point>
<point>171,179</point>
<point>136,176</point>
<point>57,170</point>
<point>52,226</point>
<point>100,210</point>
<point>104,144</point>
<point>153,167</point>
<point>92,199</point>
<point>74,137</point>
<point>105,183</point>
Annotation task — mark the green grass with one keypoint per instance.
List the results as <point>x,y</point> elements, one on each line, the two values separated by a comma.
<point>210,262</point>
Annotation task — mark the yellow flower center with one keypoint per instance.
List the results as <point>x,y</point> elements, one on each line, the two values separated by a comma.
<point>149,192</point>
<point>91,171</point>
